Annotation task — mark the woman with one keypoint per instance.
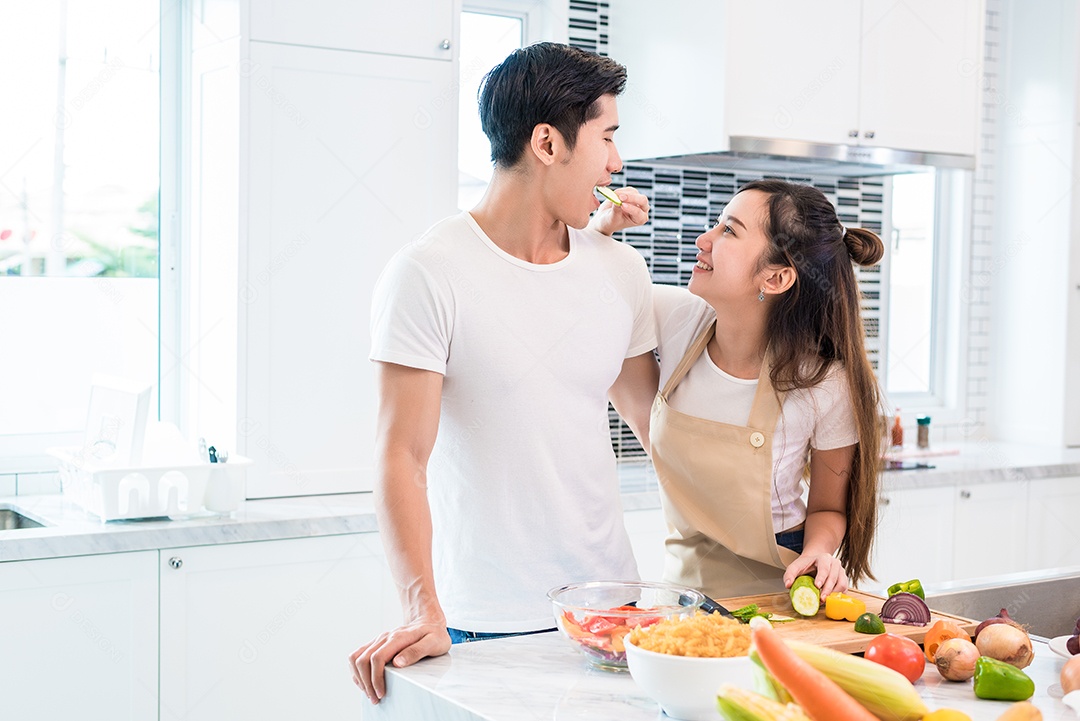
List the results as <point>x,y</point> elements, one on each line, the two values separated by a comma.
<point>764,377</point>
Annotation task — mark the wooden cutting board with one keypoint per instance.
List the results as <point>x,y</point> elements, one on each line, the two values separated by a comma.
<point>839,635</point>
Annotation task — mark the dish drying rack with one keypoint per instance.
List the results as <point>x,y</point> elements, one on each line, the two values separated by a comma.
<point>114,494</point>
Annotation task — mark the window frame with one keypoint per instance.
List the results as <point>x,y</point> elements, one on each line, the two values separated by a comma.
<point>27,452</point>
<point>946,400</point>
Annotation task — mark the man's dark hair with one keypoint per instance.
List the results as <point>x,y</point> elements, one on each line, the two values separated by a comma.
<point>543,83</point>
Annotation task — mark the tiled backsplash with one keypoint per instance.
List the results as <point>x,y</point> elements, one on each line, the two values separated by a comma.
<point>683,201</point>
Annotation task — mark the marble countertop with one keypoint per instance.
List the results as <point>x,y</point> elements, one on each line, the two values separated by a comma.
<point>543,677</point>
<point>982,461</point>
<point>71,531</point>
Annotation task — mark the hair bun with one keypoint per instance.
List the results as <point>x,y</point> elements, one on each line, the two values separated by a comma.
<point>864,246</point>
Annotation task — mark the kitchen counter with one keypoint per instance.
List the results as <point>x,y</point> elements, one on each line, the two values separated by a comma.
<point>543,677</point>
<point>969,462</point>
<point>72,532</point>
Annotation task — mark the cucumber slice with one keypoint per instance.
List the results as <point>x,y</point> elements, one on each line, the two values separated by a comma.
<point>805,596</point>
<point>609,194</point>
<point>869,623</point>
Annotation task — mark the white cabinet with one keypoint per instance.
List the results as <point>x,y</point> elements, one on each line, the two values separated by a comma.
<point>263,630</point>
<point>80,637</point>
<point>420,28</point>
<point>647,530</point>
<point>914,537</point>
<point>919,81</point>
<point>988,532</point>
<point>1053,523</point>
<point>858,73</point>
<point>797,85</point>
<point>674,57</point>
<point>349,156</point>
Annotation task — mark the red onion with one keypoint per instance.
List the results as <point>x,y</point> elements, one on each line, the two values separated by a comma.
<point>1002,617</point>
<point>905,608</point>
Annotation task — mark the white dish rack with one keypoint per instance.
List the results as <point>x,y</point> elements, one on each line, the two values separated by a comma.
<point>114,494</point>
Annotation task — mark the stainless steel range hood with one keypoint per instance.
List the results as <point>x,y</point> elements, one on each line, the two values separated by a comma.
<point>798,158</point>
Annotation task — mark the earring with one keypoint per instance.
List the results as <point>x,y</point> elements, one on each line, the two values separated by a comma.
<point>761,294</point>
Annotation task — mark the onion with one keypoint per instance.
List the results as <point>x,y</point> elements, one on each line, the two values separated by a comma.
<point>1005,643</point>
<point>1070,683</point>
<point>1070,675</point>
<point>1002,617</point>
<point>1073,645</point>
<point>955,659</point>
<point>905,608</point>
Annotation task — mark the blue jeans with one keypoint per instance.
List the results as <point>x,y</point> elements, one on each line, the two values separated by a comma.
<point>791,539</point>
<point>459,636</point>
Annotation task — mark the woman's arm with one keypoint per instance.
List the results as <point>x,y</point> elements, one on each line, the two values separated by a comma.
<point>826,520</point>
<point>633,393</point>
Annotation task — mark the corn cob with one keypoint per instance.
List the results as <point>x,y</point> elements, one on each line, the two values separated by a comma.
<point>884,692</point>
<point>738,704</point>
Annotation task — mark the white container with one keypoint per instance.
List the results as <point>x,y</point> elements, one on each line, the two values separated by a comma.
<point>114,494</point>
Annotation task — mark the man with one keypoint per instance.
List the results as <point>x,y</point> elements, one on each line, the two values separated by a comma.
<point>498,338</point>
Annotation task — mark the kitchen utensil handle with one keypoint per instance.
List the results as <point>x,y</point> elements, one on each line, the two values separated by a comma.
<point>709,605</point>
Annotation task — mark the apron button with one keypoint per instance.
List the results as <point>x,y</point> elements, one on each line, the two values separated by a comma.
<point>757,439</point>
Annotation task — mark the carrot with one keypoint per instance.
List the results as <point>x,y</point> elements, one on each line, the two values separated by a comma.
<point>819,696</point>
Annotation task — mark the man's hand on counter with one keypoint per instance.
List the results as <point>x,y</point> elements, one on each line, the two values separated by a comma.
<point>401,647</point>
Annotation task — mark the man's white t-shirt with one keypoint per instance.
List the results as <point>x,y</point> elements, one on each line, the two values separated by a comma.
<point>820,417</point>
<point>522,479</point>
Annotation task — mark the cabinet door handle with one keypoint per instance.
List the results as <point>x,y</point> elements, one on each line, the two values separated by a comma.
<point>868,134</point>
<point>965,494</point>
<point>445,44</point>
<point>176,562</point>
<point>853,133</point>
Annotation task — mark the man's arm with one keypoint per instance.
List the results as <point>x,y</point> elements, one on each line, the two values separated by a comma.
<point>408,421</point>
<point>633,393</point>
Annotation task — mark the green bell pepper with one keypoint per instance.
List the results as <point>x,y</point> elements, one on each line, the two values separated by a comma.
<point>912,586</point>
<point>1001,681</point>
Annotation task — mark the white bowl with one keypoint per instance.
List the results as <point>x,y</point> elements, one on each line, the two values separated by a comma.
<point>685,687</point>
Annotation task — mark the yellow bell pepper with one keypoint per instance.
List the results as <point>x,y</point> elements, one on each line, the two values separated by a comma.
<point>842,607</point>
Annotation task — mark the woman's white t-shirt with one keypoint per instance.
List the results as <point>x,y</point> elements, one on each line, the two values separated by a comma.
<point>819,418</point>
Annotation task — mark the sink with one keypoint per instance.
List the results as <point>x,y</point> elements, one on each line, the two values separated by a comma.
<point>10,519</point>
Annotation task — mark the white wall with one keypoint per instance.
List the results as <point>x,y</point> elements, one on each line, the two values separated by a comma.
<point>1030,273</point>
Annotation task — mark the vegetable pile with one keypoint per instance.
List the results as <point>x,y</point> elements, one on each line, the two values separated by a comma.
<point>806,682</point>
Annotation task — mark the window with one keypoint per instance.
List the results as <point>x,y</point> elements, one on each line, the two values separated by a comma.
<point>488,35</point>
<point>911,284</point>
<point>924,237</point>
<point>80,189</point>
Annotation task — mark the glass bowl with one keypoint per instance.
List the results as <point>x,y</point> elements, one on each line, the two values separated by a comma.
<point>596,616</point>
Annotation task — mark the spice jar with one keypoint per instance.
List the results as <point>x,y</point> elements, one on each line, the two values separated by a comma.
<point>897,431</point>
<point>924,431</point>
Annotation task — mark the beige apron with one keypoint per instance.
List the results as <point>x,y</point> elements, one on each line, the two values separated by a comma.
<point>716,488</point>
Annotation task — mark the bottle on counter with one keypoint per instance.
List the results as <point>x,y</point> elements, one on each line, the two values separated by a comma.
<point>923,440</point>
<point>897,431</point>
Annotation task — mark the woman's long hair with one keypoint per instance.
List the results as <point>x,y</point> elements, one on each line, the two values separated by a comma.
<point>816,323</point>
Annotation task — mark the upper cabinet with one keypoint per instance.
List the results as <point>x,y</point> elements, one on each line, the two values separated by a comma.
<point>920,76</point>
<point>797,80</point>
<point>903,76</point>
<point>419,29</point>
<point>868,74</point>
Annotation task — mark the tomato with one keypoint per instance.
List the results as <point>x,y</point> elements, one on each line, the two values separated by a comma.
<point>898,653</point>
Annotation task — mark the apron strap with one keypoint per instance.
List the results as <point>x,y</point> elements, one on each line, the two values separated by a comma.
<point>689,359</point>
<point>767,400</point>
